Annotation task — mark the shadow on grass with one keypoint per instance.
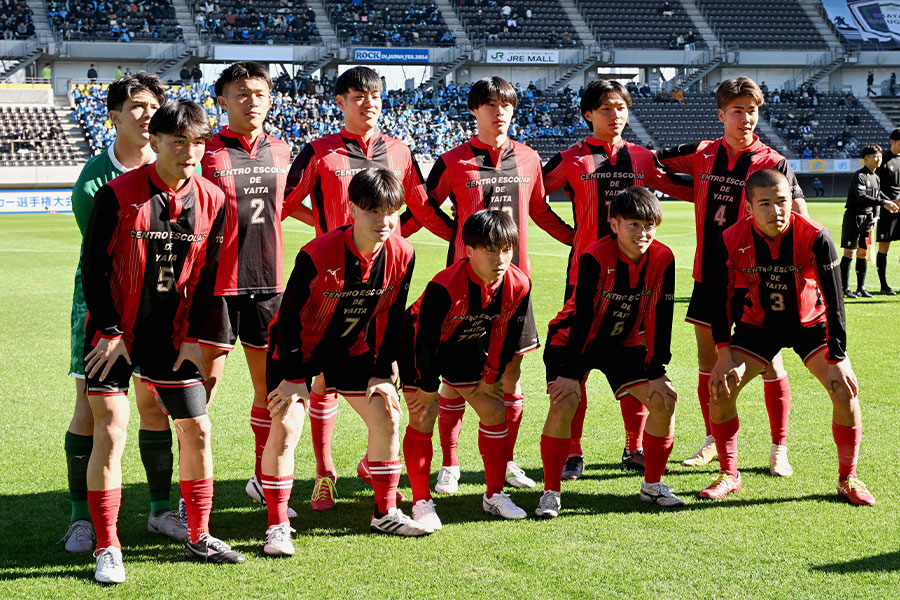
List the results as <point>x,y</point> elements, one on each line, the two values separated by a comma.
<point>880,563</point>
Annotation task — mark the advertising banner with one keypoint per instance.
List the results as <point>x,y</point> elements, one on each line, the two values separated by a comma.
<point>866,20</point>
<point>390,55</point>
<point>35,201</point>
<point>522,57</point>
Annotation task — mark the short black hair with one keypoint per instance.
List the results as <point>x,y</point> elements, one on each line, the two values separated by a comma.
<point>597,91</point>
<point>872,149</point>
<point>181,117</point>
<point>636,203</point>
<point>376,190</point>
<point>361,79</point>
<point>895,135</point>
<point>126,87</point>
<point>764,178</point>
<point>490,89</point>
<point>492,229</point>
<point>245,69</point>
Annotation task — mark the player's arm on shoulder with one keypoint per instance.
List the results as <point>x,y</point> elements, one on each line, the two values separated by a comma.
<point>425,212</point>
<point>678,159</point>
<point>541,213</point>
<point>668,181</point>
<point>300,179</point>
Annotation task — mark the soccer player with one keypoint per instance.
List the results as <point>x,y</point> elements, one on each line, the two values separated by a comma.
<point>863,197</point>
<point>144,249</point>
<point>888,229</point>
<point>789,265</point>
<point>490,171</point>
<point>132,101</point>
<point>624,281</point>
<point>720,169</point>
<point>322,171</point>
<point>250,167</point>
<point>341,315</point>
<point>465,329</point>
<point>592,173</point>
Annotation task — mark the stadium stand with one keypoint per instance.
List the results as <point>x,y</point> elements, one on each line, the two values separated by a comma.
<point>764,24</point>
<point>16,20</point>
<point>120,20</point>
<point>266,21</point>
<point>660,23</point>
<point>33,135</point>
<point>389,22</point>
<point>501,24</point>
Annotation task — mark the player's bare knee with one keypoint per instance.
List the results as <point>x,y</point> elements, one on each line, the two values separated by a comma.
<point>658,406</point>
<point>194,433</point>
<point>840,397</point>
<point>385,422</point>
<point>110,434</point>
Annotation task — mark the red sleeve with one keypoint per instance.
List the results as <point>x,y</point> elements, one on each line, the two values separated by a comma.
<point>668,182</point>
<point>439,184</point>
<point>424,211</point>
<point>554,174</point>
<point>679,159</point>
<point>543,215</point>
<point>300,180</point>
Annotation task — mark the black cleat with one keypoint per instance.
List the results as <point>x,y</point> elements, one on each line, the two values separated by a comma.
<point>574,468</point>
<point>212,550</point>
<point>633,461</point>
<point>849,294</point>
<point>887,292</point>
<point>863,293</point>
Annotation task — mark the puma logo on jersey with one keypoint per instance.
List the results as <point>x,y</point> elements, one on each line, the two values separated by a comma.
<point>744,249</point>
<point>333,271</point>
<point>137,206</point>
<point>608,271</point>
<point>707,156</point>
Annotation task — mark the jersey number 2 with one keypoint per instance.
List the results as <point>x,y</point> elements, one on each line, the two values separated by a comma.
<point>258,206</point>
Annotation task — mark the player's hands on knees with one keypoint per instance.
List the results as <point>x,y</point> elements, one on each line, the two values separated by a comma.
<point>385,389</point>
<point>190,351</point>
<point>891,206</point>
<point>493,391</point>
<point>724,377</point>
<point>841,375</point>
<point>285,395</point>
<point>104,356</point>
<point>420,402</point>
<point>663,387</point>
<point>563,387</point>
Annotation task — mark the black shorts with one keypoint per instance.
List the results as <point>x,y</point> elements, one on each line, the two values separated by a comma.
<point>855,229</point>
<point>700,309</point>
<point>764,344</point>
<point>246,316</point>
<point>623,366</point>
<point>528,341</point>
<point>888,229</point>
<point>348,376</point>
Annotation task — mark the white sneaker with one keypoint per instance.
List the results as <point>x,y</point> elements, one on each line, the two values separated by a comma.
<point>396,523</point>
<point>110,568</point>
<point>448,480</point>
<point>516,477</point>
<point>705,455</point>
<point>169,525</point>
<point>501,504</point>
<point>424,512</point>
<point>254,490</point>
<point>79,537</point>
<point>549,505</point>
<point>659,494</point>
<point>278,540</point>
<point>778,462</point>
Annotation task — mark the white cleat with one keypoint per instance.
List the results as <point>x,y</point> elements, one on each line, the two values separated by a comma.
<point>705,455</point>
<point>110,568</point>
<point>448,480</point>
<point>278,540</point>
<point>169,525</point>
<point>254,490</point>
<point>424,512</point>
<point>778,462</point>
<point>516,477</point>
<point>659,494</point>
<point>396,523</point>
<point>549,505</point>
<point>501,504</point>
<point>79,538</point>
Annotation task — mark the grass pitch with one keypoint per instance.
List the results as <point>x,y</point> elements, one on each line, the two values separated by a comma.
<point>778,538</point>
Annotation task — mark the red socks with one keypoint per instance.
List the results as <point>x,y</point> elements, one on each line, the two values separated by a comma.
<point>778,405</point>
<point>634,415</point>
<point>450,415</point>
<point>703,396</point>
<point>322,416</point>
<point>277,490</point>
<point>260,423</point>
<point>513,404</point>
<point>418,452</point>
<point>847,440</point>
<point>553,454</point>
<point>198,496</point>
<point>726,445</point>
<point>104,506</point>
<point>385,479</point>
<point>492,445</point>
<point>656,455</point>
<point>578,423</point>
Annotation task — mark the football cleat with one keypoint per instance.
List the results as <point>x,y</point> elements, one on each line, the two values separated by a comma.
<point>212,550</point>
<point>633,461</point>
<point>110,568</point>
<point>362,471</point>
<point>574,468</point>
<point>447,480</point>
<point>424,512</point>
<point>278,540</point>
<point>516,477</point>
<point>254,490</point>
<point>887,292</point>
<point>778,462</point>
<point>863,293</point>
<point>659,494</point>
<point>396,523</point>
<point>721,486</point>
<point>856,492</point>
<point>501,504</point>
<point>549,505</point>
<point>79,537</point>
<point>705,455</point>
<point>849,294</point>
<point>169,525</point>
<point>323,494</point>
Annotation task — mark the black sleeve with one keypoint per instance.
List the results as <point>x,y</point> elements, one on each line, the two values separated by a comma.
<point>206,284</point>
<point>434,308</point>
<point>513,334</point>
<point>718,285</point>
<point>827,263</point>
<point>96,263</point>
<point>663,314</point>
<point>859,196</point>
<point>785,167</point>
<point>298,167</point>
<point>588,279</point>
<point>387,351</point>
<point>288,326</point>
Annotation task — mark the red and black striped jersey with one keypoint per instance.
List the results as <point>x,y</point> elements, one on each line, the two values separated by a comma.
<point>613,297</point>
<point>459,315</point>
<point>475,176</point>
<point>337,303</point>
<point>719,179</point>
<point>145,247</point>
<point>593,174</point>
<point>323,170</point>
<point>792,280</point>
<point>253,179</point>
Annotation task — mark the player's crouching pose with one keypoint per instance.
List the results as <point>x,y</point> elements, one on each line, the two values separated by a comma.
<point>144,249</point>
<point>341,317</point>
<point>465,329</point>
<point>623,280</point>
<point>789,264</point>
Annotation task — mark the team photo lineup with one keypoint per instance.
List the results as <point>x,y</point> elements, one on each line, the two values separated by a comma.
<point>183,258</point>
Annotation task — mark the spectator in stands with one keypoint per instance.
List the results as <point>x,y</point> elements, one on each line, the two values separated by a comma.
<point>92,74</point>
<point>678,96</point>
<point>818,187</point>
<point>567,39</point>
<point>47,72</point>
<point>119,72</point>
<point>776,97</point>
<point>870,81</point>
<point>196,74</point>
<point>764,89</point>
<point>690,40</point>
<point>892,86</point>
<point>673,41</point>
<point>185,75</point>
<point>665,9</point>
